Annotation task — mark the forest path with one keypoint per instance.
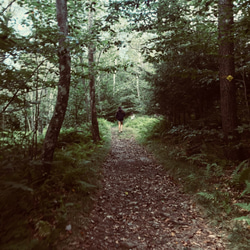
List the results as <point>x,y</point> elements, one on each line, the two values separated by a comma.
<point>139,207</point>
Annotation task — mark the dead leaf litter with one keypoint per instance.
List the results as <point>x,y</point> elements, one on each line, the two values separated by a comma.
<point>140,207</point>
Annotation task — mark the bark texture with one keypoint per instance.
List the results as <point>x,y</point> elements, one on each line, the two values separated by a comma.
<point>226,67</point>
<point>63,88</point>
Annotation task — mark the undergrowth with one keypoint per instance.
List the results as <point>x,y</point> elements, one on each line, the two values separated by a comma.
<point>215,172</point>
<point>34,212</point>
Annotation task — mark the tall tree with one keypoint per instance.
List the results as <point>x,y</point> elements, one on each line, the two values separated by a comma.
<point>227,67</point>
<point>91,49</point>
<point>63,88</point>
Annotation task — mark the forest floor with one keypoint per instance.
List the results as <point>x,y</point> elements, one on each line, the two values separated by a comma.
<point>140,207</point>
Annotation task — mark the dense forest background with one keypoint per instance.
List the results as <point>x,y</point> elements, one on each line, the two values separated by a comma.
<point>151,58</point>
<point>67,66</point>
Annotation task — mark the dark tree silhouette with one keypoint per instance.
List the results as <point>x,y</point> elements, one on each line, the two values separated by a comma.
<point>227,67</point>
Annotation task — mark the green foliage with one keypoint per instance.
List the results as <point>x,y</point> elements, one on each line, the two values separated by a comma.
<point>207,196</point>
<point>215,202</point>
<point>207,174</point>
<point>75,135</point>
<point>241,233</point>
<point>213,170</point>
<point>245,206</point>
<point>239,237</point>
<point>180,68</point>
<point>247,189</point>
<point>15,199</point>
<point>244,218</point>
<point>43,228</point>
<point>241,174</point>
<point>244,128</point>
<point>143,125</point>
<point>184,88</point>
<point>171,143</point>
<point>153,132</point>
<point>43,206</point>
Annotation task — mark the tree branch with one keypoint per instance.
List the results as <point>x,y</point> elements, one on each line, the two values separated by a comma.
<point>14,96</point>
<point>8,6</point>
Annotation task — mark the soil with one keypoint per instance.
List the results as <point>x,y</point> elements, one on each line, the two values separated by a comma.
<point>140,207</point>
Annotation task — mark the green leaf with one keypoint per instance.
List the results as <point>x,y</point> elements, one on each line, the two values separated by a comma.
<point>245,206</point>
<point>208,196</point>
<point>245,218</point>
<point>69,204</point>
<point>86,184</point>
<point>247,189</point>
<point>17,186</point>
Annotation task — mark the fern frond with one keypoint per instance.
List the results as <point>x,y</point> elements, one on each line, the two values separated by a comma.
<point>17,186</point>
<point>245,206</point>
<point>247,189</point>
<point>86,184</point>
<point>236,175</point>
<point>244,218</point>
<point>208,196</point>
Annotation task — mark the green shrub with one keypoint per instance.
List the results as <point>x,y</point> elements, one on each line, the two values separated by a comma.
<point>241,174</point>
<point>239,237</point>
<point>15,203</point>
<point>143,126</point>
<point>219,181</point>
<point>42,206</point>
<point>215,202</point>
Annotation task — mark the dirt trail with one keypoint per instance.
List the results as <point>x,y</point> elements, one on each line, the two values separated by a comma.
<point>139,207</point>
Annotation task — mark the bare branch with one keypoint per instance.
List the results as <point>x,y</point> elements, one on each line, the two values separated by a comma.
<point>8,6</point>
<point>14,96</point>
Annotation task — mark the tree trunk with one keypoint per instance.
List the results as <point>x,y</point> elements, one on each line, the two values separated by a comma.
<point>138,88</point>
<point>94,121</point>
<point>56,121</point>
<point>226,67</point>
<point>114,79</point>
<point>245,95</point>
<point>86,93</point>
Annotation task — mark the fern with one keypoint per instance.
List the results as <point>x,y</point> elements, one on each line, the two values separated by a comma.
<point>207,196</point>
<point>43,228</point>
<point>245,206</point>
<point>239,171</point>
<point>247,189</point>
<point>17,186</point>
<point>86,185</point>
<point>243,218</point>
